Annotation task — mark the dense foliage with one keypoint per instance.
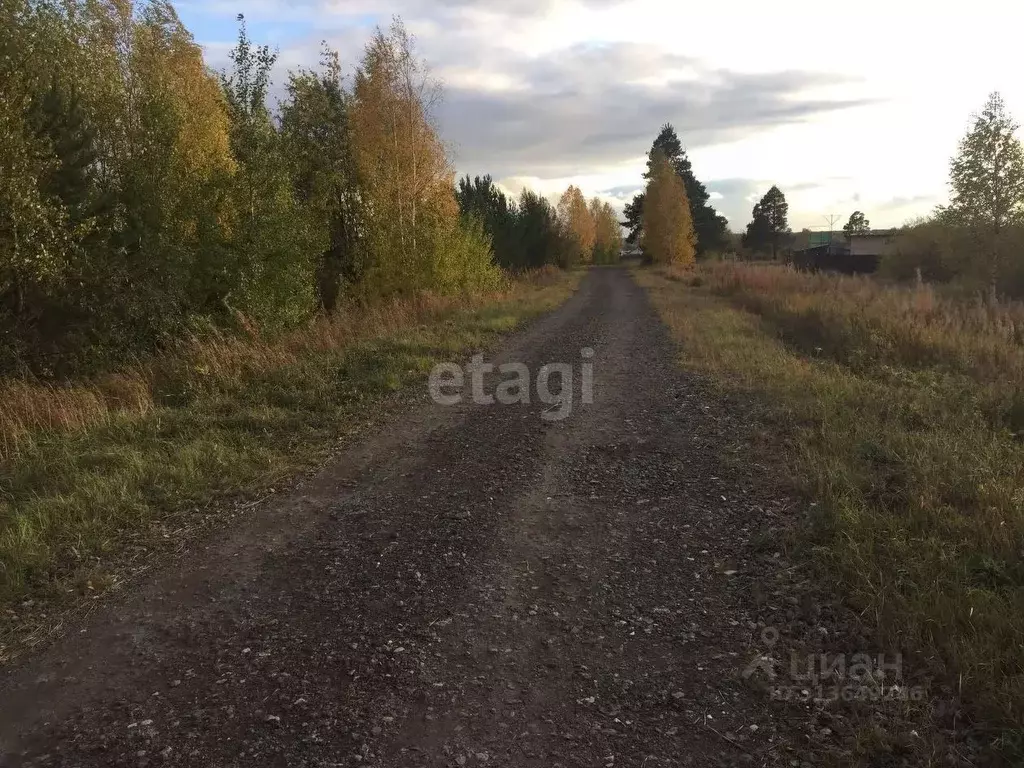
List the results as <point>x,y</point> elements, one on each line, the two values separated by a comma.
<point>531,233</point>
<point>145,196</point>
<point>667,235</point>
<point>857,224</point>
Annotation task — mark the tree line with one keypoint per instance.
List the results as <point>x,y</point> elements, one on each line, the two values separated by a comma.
<point>146,195</point>
<point>675,223</point>
<point>531,232</point>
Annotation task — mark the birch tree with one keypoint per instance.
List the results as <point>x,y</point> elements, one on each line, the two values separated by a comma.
<point>607,233</point>
<point>412,217</point>
<point>575,218</point>
<point>987,182</point>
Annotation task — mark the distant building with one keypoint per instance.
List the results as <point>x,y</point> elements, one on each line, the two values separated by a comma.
<point>871,242</point>
<point>858,254</point>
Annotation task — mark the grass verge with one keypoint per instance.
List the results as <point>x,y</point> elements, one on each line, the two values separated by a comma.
<point>100,471</point>
<point>902,413</point>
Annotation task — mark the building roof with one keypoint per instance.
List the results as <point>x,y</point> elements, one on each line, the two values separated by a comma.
<point>876,233</point>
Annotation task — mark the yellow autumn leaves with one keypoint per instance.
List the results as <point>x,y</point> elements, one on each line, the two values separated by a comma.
<point>411,214</point>
<point>592,229</point>
<point>667,236</point>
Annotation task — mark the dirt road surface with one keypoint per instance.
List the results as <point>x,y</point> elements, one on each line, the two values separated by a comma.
<point>476,586</point>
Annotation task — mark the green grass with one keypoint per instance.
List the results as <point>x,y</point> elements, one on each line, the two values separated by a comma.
<point>896,411</point>
<point>75,502</point>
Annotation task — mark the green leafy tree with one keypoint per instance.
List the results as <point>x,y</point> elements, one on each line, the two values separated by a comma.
<point>316,133</point>
<point>987,182</point>
<point>35,236</point>
<point>275,239</point>
<point>128,132</point>
<point>143,195</point>
<point>857,224</point>
<point>769,229</point>
<point>33,227</point>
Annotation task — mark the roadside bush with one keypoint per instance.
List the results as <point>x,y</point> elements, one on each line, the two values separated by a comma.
<point>466,261</point>
<point>940,252</point>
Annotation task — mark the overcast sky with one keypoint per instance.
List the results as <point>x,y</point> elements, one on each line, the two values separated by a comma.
<point>843,106</point>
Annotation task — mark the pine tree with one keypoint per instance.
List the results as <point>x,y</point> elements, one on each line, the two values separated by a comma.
<point>479,198</point>
<point>543,240</point>
<point>769,227</point>
<point>857,223</point>
<point>633,214</point>
<point>668,236</point>
<point>61,123</point>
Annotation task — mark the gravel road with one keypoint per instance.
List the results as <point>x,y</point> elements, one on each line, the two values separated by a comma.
<point>474,586</point>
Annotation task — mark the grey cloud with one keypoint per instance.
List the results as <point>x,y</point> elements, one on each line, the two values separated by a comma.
<point>903,202</point>
<point>739,188</point>
<point>579,109</point>
<point>901,210</point>
<point>806,186</point>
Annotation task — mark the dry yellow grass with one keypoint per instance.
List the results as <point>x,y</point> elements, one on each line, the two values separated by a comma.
<point>31,407</point>
<point>901,411</point>
<point>912,326</point>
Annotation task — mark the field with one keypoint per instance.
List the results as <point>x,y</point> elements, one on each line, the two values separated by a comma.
<point>100,474</point>
<point>900,412</point>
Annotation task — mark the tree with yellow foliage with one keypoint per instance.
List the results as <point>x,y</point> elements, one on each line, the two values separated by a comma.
<point>667,235</point>
<point>607,232</point>
<point>414,238</point>
<point>577,222</point>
